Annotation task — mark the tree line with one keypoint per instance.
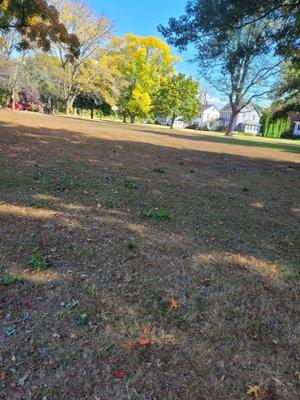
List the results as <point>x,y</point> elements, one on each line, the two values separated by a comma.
<point>64,55</point>
<point>247,50</point>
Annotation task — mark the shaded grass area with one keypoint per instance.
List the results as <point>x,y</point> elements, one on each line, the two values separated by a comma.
<point>286,145</point>
<point>126,228</point>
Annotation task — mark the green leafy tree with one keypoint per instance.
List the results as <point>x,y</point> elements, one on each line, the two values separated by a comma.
<point>178,96</point>
<point>91,101</point>
<point>240,68</point>
<point>287,96</point>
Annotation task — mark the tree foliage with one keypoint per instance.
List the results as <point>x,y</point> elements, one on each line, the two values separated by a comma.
<point>275,128</point>
<point>224,18</point>
<point>178,96</point>
<point>236,62</point>
<point>37,22</point>
<point>142,62</point>
<point>92,31</point>
<point>287,95</point>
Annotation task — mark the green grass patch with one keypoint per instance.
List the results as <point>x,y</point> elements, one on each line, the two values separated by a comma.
<point>39,262</point>
<point>129,184</point>
<point>161,214</point>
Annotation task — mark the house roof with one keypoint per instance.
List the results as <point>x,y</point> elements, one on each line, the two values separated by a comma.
<point>206,106</point>
<point>250,104</point>
<point>225,107</point>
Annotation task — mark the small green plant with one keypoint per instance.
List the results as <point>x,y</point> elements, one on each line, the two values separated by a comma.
<point>162,214</point>
<point>130,184</point>
<point>193,170</point>
<point>159,170</point>
<point>81,320</point>
<point>7,280</point>
<point>130,244</point>
<point>39,262</point>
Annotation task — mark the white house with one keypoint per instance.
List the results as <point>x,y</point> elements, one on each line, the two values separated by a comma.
<point>247,119</point>
<point>297,128</point>
<point>208,114</point>
<point>178,123</point>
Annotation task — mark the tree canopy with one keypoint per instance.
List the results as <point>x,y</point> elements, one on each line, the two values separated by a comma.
<point>142,62</point>
<point>237,47</point>
<point>178,96</point>
<point>37,22</point>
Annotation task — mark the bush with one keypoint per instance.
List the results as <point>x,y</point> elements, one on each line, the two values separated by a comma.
<point>277,128</point>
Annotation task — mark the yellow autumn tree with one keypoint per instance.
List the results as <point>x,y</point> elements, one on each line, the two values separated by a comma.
<point>142,62</point>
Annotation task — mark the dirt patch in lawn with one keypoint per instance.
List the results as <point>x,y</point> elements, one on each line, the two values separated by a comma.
<point>141,264</point>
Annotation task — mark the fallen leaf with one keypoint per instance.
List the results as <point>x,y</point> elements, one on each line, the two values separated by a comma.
<point>144,341</point>
<point>3,375</point>
<point>129,346</point>
<point>254,391</point>
<point>56,335</point>
<point>174,305</point>
<point>297,375</point>
<point>119,373</point>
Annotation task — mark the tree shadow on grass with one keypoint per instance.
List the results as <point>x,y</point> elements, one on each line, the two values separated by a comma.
<point>259,142</point>
<point>223,255</point>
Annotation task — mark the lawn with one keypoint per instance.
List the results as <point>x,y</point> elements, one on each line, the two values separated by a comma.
<point>142,263</point>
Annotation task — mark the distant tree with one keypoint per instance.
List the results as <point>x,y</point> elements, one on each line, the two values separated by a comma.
<point>100,75</point>
<point>90,101</point>
<point>36,21</point>
<point>45,72</point>
<point>92,31</point>
<point>178,96</point>
<point>241,68</point>
<point>12,73</point>
<point>142,62</point>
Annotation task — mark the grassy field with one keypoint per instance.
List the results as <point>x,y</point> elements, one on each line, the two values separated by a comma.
<point>142,263</point>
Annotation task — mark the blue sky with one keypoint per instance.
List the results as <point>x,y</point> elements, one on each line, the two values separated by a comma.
<point>142,17</point>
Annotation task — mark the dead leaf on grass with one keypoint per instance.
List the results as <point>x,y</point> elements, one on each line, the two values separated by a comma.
<point>144,341</point>
<point>129,345</point>
<point>255,391</point>
<point>119,373</point>
<point>174,305</point>
<point>3,375</point>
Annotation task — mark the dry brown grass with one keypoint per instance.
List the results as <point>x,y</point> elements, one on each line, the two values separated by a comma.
<point>78,192</point>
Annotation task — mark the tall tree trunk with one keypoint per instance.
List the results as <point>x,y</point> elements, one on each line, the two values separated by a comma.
<point>92,113</point>
<point>124,118</point>
<point>132,119</point>
<point>13,100</point>
<point>172,121</point>
<point>230,127</point>
<point>69,104</point>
